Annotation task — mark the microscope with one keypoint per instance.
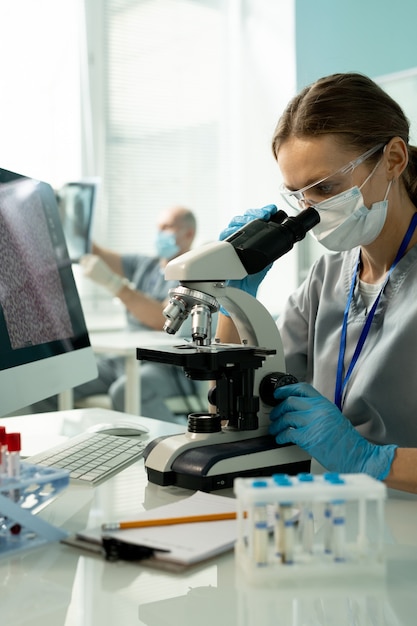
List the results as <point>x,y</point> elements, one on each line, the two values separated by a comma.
<point>232,438</point>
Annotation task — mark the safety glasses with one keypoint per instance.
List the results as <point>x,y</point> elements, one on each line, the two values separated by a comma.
<point>325,187</point>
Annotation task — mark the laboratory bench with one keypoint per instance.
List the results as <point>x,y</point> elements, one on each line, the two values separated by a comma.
<point>56,584</point>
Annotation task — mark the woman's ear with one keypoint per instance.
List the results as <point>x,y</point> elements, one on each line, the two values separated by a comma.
<point>395,157</point>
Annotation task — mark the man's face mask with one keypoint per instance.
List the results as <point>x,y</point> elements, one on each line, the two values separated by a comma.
<point>166,245</point>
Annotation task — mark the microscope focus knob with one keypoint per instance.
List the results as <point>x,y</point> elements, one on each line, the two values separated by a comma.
<point>271,382</point>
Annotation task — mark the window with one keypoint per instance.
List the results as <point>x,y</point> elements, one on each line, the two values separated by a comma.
<point>185,95</point>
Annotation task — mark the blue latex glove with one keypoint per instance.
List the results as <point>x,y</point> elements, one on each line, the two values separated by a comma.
<point>250,283</point>
<point>308,419</point>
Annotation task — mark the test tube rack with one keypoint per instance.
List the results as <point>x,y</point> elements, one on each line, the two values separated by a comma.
<point>20,499</point>
<point>294,527</point>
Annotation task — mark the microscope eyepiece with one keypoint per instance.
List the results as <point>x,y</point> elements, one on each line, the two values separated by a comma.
<point>260,243</point>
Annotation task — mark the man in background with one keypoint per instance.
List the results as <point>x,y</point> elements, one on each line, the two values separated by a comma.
<point>138,280</point>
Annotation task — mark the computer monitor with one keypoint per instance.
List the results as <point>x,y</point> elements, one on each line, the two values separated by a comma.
<point>44,343</point>
<point>76,203</point>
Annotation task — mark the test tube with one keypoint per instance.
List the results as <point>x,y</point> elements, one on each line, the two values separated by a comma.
<point>307,519</point>
<point>288,543</point>
<point>3,466</point>
<point>339,530</point>
<point>327,528</point>
<point>260,530</point>
<point>338,519</point>
<point>308,529</point>
<point>284,523</point>
<point>278,532</point>
<point>3,452</point>
<point>13,460</point>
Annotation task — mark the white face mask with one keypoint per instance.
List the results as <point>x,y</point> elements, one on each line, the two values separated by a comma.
<point>345,221</point>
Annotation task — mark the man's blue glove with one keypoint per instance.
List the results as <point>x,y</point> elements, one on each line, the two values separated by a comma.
<point>250,283</point>
<point>308,419</point>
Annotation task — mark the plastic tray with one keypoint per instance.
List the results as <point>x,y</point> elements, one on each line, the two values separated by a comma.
<point>20,499</point>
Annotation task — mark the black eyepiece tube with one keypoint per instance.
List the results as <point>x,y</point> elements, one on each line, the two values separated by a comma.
<point>260,243</point>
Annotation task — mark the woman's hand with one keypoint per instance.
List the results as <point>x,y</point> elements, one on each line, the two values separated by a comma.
<point>308,419</point>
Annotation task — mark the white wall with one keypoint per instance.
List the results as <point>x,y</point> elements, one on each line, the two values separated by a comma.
<point>40,96</point>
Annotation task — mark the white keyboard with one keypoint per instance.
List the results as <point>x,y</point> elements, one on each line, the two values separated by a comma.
<point>92,458</point>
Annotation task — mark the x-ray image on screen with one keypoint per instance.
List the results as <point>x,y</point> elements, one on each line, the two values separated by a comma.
<point>76,203</point>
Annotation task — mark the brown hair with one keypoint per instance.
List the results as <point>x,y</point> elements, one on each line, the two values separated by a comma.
<point>354,108</point>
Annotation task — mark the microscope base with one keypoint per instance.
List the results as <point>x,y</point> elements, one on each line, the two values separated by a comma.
<point>212,467</point>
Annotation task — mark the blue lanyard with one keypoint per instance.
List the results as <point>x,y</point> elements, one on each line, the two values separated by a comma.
<point>341,381</point>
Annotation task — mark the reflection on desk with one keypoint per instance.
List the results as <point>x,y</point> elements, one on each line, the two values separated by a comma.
<point>59,585</point>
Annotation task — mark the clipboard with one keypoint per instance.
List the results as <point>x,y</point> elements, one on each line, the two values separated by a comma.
<point>169,547</point>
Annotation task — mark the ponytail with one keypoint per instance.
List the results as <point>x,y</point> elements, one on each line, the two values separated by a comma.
<point>410,174</point>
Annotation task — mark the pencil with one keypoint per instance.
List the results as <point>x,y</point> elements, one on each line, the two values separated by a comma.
<point>210,517</point>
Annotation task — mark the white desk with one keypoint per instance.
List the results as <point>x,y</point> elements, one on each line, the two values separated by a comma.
<point>59,586</point>
<point>124,343</point>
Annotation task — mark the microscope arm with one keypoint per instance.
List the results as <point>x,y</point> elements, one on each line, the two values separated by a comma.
<point>215,262</point>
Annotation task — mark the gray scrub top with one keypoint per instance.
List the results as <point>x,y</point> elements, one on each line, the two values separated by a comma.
<point>381,395</point>
<point>147,276</point>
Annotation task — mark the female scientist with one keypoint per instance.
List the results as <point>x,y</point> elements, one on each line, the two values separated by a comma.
<point>350,330</point>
